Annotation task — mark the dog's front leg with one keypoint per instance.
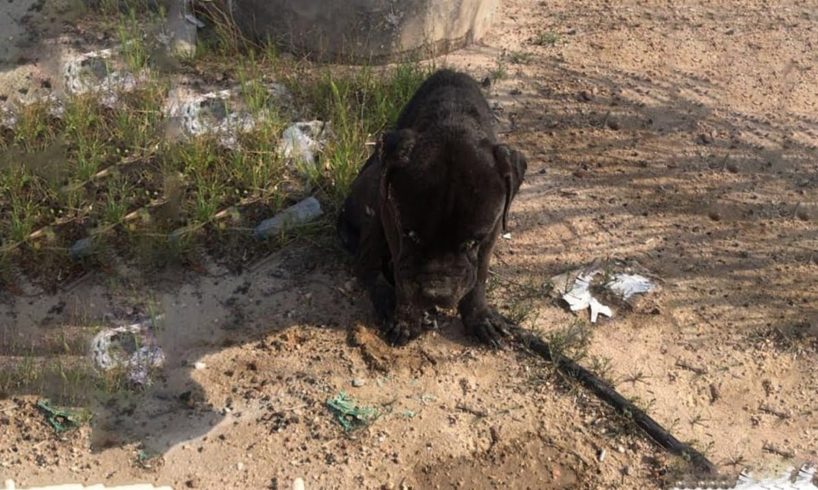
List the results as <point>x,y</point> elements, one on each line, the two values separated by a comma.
<point>374,252</point>
<point>407,323</point>
<point>477,316</point>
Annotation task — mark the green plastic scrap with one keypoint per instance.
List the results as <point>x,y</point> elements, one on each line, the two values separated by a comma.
<point>60,420</point>
<point>349,414</point>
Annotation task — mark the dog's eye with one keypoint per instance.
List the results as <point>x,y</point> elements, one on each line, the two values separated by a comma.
<point>412,236</point>
<point>470,244</point>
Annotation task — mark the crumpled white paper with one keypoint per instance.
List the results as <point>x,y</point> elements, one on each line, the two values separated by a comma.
<point>578,293</point>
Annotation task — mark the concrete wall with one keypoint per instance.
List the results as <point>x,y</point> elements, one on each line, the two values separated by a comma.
<point>365,31</point>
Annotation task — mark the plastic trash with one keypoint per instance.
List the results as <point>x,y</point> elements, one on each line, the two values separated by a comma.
<point>626,285</point>
<point>349,414</point>
<point>59,419</point>
<point>133,348</point>
<point>575,288</point>
<point>803,480</point>
<point>81,248</point>
<point>301,142</point>
<point>580,298</point>
<point>302,212</point>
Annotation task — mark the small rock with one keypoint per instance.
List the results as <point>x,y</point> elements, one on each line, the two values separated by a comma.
<point>302,212</point>
<point>81,248</point>
<point>802,213</point>
<point>732,168</point>
<point>358,382</point>
<point>613,124</point>
<point>240,466</point>
<point>626,470</point>
<point>585,96</point>
<point>704,139</point>
<point>620,449</point>
<point>714,393</point>
<point>714,215</point>
<point>192,483</point>
<point>388,486</point>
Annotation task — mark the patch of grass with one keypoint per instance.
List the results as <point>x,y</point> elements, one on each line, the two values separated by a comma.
<point>22,217</point>
<point>358,106</point>
<point>571,341</point>
<point>113,173</point>
<point>601,366</point>
<point>118,194</point>
<point>499,72</point>
<point>136,125</point>
<point>135,51</point>
<point>33,130</point>
<point>519,300</point>
<point>546,38</point>
<point>520,57</point>
<point>68,381</point>
<point>223,37</point>
<point>795,336</point>
<point>253,90</point>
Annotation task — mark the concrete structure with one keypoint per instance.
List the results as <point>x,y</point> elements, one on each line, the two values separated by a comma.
<point>365,31</point>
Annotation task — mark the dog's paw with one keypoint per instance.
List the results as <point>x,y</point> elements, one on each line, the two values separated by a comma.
<point>490,327</point>
<point>399,332</point>
<point>383,299</point>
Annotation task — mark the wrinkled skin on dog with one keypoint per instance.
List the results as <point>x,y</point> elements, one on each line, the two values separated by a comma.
<point>425,211</point>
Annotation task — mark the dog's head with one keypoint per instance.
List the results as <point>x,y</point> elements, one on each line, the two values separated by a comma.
<point>444,199</point>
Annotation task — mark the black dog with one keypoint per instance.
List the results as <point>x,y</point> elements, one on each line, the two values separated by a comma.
<point>427,207</point>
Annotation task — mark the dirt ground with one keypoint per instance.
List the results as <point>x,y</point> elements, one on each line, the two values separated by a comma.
<point>679,135</point>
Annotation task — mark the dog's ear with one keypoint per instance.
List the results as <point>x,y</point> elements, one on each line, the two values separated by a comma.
<point>396,147</point>
<point>511,164</point>
<point>395,151</point>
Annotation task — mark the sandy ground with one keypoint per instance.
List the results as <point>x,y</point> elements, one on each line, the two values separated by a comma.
<point>681,137</point>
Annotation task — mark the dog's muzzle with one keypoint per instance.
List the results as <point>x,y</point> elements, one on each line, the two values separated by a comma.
<point>444,292</point>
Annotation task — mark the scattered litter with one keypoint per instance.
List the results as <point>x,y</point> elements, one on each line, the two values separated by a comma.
<point>298,484</point>
<point>59,419</point>
<point>131,347</point>
<point>358,382</point>
<point>97,72</point>
<point>506,236</point>
<point>199,365</point>
<point>586,288</point>
<point>601,455</point>
<point>8,119</point>
<point>802,480</point>
<point>9,485</point>
<point>349,414</point>
<point>580,298</point>
<point>193,20</point>
<point>408,414</point>
<point>301,142</point>
<point>299,213</point>
<point>147,460</point>
<point>626,285</point>
<point>221,112</point>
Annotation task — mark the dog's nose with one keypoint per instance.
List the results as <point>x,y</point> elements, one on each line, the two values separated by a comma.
<point>441,291</point>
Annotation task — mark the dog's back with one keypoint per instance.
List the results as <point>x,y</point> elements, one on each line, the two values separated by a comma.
<point>448,98</point>
<point>447,103</point>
